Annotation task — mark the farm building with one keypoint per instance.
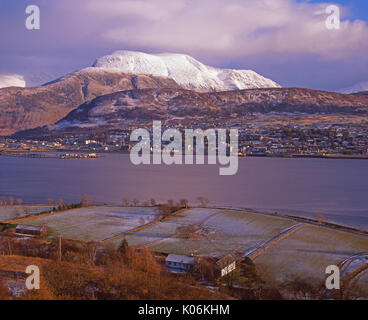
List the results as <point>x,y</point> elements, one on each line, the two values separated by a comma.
<point>35,231</point>
<point>179,263</point>
<point>225,265</point>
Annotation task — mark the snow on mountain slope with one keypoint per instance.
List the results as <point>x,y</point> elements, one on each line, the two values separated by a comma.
<point>359,87</point>
<point>185,70</point>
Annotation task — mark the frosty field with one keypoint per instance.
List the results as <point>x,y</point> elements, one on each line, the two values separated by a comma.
<point>304,253</point>
<point>309,251</point>
<point>95,223</point>
<point>19,211</point>
<point>169,226</point>
<point>227,232</point>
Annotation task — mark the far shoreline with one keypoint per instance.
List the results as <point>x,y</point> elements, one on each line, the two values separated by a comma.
<point>23,154</point>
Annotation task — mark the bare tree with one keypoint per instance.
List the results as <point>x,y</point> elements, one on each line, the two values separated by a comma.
<point>184,203</point>
<point>86,200</point>
<point>203,201</point>
<point>11,200</point>
<point>92,248</point>
<point>153,202</point>
<point>320,218</point>
<point>10,246</point>
<point>60,248</point>
<point>3,201</point>
<point>163,210</point>
<point>206,269</point>
<point>17,213</point>
<point>301,288</point>
<point>170,202</point>
<point>4,292</point>
<point>126,202</point>
<point>135,202</point>
<point>61,203</point>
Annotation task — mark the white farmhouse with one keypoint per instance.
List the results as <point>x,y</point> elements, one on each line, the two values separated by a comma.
<point>226,265</point>
<point>179,263</point>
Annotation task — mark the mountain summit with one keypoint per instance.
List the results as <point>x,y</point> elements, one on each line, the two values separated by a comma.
<point>185,70</point>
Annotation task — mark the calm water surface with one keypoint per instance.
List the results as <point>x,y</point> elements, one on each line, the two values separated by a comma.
<point>338,189</point>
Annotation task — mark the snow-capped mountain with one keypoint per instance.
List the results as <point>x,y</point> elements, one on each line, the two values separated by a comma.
<point>359,87</point>
<point>185,70</point>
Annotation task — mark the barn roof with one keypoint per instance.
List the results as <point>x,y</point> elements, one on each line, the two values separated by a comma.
<point>225,261</point>
<point>30,228</point>
<point>178,258</point>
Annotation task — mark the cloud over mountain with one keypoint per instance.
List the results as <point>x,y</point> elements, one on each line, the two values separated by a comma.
<point>12,80</point>
<point>232,27</point>
<point>285,40</point>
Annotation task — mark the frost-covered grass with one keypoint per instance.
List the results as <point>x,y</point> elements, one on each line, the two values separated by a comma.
<point>227,232</point>
<point>307,252</point>
<point>19,211</point>
<point>168,226</point>
<point>95,223</point>
<point>303,254</point>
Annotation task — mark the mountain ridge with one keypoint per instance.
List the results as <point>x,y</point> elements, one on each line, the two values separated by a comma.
<point>115,110</point>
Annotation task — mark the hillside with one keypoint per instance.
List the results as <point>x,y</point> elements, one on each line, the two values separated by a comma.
<point>112,111</point>
<point>363,93</point>
<point>26,108</point>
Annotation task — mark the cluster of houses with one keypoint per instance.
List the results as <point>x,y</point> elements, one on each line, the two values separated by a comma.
<point>254,139</point>
<point>314,139</point>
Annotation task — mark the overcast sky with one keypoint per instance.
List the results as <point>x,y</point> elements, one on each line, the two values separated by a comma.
<point>285,40</point>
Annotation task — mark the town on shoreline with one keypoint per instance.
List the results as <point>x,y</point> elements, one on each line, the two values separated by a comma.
<point>322,136</point>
